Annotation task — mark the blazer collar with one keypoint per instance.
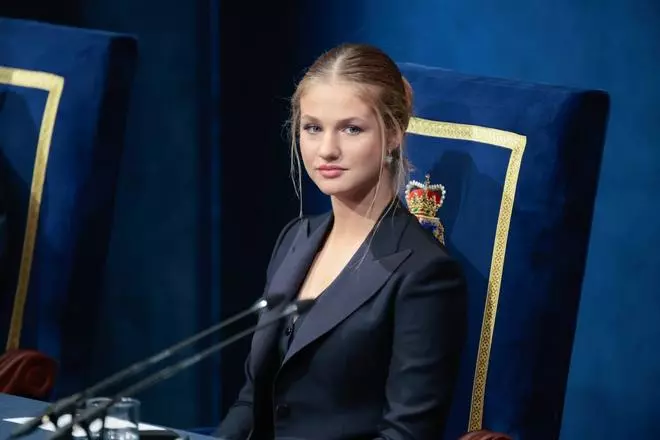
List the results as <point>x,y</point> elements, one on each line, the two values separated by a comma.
<point>359,281</point>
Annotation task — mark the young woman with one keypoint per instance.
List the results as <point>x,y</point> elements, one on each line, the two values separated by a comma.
<point>377,355</point>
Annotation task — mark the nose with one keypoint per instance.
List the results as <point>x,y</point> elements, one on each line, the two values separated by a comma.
<point>329,148</point>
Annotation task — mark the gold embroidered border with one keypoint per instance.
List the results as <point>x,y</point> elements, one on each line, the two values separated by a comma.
<point>516,143</point>
<point>53,84</point>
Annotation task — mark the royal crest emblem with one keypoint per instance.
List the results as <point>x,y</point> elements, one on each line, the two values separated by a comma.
<point>424,200</point>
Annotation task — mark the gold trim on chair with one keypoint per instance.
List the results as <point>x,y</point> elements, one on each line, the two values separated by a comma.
<point>516,143</point>
<point>53,84</point>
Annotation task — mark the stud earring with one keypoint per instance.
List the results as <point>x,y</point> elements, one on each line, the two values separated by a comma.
<point>392,156</point>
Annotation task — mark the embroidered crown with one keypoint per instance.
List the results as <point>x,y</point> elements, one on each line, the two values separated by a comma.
<point>424,200</point>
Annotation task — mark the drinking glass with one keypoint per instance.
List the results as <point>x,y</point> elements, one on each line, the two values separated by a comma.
<point>121,422</point>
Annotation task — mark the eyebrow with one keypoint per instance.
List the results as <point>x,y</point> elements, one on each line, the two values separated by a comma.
<point>352,119</point>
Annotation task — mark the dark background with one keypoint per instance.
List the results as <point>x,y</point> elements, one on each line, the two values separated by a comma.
<point>204,186</point>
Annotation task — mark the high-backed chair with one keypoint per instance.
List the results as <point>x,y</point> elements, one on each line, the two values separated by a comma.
<point>63,103</point>
<point>519,164</point>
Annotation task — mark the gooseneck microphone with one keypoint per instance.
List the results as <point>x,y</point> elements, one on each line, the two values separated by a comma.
<point>88,416</point>
<point>69,404</point>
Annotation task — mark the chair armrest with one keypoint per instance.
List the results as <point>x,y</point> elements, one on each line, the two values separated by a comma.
<point>27,373</point>
<point>484,434</point>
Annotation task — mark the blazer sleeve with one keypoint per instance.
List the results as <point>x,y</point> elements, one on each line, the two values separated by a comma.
<point>238,421</point>
<point>429,332</point>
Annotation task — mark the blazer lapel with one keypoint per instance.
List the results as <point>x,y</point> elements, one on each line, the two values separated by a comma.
<point>356,284</point>
<point>287,279</point>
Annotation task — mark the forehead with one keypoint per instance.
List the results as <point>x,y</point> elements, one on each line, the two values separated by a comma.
<point>335,100</point>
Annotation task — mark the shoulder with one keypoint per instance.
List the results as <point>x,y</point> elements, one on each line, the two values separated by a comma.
<point>288,234</point>
<point>424,246</point>
<point>288,231</point>
<point>430,262</point>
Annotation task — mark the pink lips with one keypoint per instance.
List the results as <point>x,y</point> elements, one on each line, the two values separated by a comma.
<point>330,171</point>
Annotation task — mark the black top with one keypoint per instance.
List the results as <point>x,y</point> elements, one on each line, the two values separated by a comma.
<point>288,332</point>
<point>291,326</point>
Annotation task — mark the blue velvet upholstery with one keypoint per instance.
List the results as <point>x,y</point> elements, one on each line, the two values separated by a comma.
<point>520,163</point>
<point>63,103</point>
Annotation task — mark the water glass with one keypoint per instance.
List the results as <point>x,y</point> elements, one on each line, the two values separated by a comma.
<point>121,422</point>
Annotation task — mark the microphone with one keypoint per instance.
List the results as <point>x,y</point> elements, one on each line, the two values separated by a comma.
<point>62,406</point>
<point>97,412</point>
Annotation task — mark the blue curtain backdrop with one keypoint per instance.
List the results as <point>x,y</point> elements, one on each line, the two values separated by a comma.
<point>257,47</point>
<point>162,279</point>
<point>204,186</point>
<point>161,285</point>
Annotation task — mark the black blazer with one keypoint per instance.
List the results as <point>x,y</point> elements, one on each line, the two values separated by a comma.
<point>376,356</point>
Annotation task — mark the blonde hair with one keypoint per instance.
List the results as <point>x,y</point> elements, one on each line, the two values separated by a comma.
<point>375,71</point>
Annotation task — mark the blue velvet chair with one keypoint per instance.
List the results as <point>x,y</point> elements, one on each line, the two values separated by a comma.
<point>63,102</point>
<point>519,164</point>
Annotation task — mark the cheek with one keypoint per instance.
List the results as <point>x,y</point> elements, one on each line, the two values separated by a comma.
<point>307,151</point>
<point>368,152</point>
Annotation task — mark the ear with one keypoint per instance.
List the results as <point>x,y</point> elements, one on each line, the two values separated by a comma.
<point>394,142</point>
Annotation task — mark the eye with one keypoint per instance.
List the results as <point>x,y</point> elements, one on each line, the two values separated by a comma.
<point>311,128</point>
<point>353,130</point>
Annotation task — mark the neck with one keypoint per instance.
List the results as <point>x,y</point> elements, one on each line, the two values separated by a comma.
<point>355,218</point>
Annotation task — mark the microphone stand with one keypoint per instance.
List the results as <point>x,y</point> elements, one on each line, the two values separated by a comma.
<point>99,412</point>
<point>69,404</point>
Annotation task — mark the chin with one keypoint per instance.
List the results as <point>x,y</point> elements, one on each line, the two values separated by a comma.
<point>342,190</point>
<point>332,190</point>
<point>333,187</point>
